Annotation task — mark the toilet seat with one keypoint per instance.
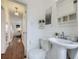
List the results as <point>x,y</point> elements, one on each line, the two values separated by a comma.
<point>37,54</point>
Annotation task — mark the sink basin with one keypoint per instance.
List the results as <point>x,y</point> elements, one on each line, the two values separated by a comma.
<point>60,46</point>
<point>64,43</point>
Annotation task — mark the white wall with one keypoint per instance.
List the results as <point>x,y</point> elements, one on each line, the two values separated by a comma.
<point>3,34</point>
<point>34,13</point>
<point>65,7</point>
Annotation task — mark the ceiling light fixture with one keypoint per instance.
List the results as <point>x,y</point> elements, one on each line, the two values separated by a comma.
<point>16,12</point>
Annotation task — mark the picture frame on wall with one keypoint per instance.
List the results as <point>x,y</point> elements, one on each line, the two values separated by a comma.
<point>48,16</point>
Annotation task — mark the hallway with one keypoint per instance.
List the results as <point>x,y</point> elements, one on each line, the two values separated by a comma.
<point>13,30</point>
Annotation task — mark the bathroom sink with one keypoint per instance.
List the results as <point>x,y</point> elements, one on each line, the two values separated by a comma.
<point>60,46</point>
<point>64,43</point>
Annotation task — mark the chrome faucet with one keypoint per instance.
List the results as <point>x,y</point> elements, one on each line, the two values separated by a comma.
<point>62,36</point>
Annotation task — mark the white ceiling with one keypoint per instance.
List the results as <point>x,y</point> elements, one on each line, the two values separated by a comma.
<point>21,1</point>
<point>12,6</point>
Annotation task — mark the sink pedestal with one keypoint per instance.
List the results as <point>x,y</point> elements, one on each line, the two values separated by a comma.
<point>60,46</point>
<point>59,52</point>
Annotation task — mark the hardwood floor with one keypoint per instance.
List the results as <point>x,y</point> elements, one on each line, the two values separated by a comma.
<point>2,56</point>
<point>15,50</point>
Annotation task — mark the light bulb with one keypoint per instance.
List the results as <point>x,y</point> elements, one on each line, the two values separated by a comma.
<point>16,13</point>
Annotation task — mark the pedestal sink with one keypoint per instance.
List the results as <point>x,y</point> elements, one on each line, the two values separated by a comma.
<point>60,47</point>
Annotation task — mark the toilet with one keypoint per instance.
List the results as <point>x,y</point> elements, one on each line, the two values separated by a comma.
<point>41,52</point>
<point>37,54</point>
